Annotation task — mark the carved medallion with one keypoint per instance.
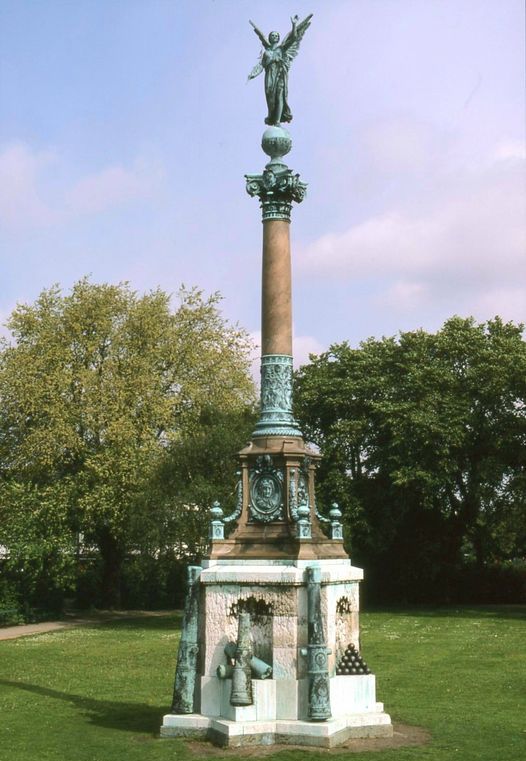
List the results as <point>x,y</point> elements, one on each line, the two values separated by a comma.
<point>266,491</point>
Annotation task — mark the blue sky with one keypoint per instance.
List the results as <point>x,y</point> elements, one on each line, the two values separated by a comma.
<point>126,128</point>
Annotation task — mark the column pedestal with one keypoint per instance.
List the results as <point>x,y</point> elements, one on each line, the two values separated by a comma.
<point>275,594</point>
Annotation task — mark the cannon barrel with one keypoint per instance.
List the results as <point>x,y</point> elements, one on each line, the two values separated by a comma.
<point>186,669</point>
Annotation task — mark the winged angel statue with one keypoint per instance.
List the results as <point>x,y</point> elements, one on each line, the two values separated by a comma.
<point>275,59</point>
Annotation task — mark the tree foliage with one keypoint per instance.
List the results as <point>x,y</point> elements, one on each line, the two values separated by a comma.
<point>424,443</point>
<point>98,390</point>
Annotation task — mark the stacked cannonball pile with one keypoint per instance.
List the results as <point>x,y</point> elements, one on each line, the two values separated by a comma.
<point>352,663</point>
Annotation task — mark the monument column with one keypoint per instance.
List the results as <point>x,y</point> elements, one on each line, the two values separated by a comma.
<point>277,188</point>
<point>276,297</point>
<point>273,613</point>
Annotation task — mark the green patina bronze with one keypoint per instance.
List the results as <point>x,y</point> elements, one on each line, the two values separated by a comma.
<point>336,527</point>
<point>266,491</point>
<point>276,190</point>
<point>216,529</point>
<point>233,517</point>
<point>276,418</point>
<point>241,694</point>
<point>299,503</point>
<point>259,669</point>
<point>219,519</point>
<point>278,187</point>
<point>275,60</point>
<point>186,670</point>
<point>317,652</point>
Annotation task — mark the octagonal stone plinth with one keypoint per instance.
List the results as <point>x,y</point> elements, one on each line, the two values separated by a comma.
<point>276,592</point>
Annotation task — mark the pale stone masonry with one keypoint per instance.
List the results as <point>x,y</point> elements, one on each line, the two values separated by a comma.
<point>279,713</point>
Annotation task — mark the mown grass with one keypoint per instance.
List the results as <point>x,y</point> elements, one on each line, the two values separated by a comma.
<point>98,694</point>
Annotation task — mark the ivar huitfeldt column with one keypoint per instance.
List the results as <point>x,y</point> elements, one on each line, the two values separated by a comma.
<point>272,616</point>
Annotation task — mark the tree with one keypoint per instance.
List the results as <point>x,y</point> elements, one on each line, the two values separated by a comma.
<point>96,390</point>
<point>40,546</point>
<point>424,441</point>
<point>202,469</point>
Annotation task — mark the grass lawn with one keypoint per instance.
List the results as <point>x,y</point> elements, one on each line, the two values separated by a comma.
<point>98,694</point>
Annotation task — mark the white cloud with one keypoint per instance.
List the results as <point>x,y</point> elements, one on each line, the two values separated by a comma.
<point>401,145</point>
<point>464,239</point>
<point>31,195</point>
<point>21,197</point>
<point>510,149</point>
<point>303,346</point>
<point>404,295</point>
<point>113,186</point>
<point>508,303</point>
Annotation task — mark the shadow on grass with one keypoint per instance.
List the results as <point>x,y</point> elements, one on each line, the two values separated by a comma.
<point>127,717</point>
<point>517,612</point>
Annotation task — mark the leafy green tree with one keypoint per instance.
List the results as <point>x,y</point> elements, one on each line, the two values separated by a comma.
<point>97,390</point>
<point>202,469</point>
<point>41,546</point>
<point>424,438</point>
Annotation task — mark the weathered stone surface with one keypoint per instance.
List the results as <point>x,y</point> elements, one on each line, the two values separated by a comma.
<point>184,725</point>
<point>327,734</point>
<point>344,610</point>
<point>265,699</point>
<point>277,572</point>
<point>289,694</point>
<point>285,631</point>
<point>285,665</point>
<point>275,595</point>
<point>353,694</point>
<point>276,306</point>
<point>220,628</point>
<point>211,696</point>
<point>282,591</point>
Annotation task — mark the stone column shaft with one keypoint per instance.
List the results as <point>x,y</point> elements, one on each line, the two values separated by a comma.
<point>276,188</point>
<point>276,297</point>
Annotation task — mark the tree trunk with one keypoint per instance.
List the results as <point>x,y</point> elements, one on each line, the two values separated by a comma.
<point>112,558</point>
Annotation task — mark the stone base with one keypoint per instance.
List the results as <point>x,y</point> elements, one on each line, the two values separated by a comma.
<point>325,734</point>
<point>276,594</point>
<point>286,699</point>
<point>282,588</point>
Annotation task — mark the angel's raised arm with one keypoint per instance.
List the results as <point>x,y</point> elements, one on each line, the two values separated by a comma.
<point>298,30</point>
<point>260,34</point>
<point>294,21</point>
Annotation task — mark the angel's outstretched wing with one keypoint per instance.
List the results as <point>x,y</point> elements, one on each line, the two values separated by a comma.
<point>291,43</point>
<point>258,68</point>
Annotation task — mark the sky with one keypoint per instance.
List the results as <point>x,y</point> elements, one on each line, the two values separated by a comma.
<point>127,126</point>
